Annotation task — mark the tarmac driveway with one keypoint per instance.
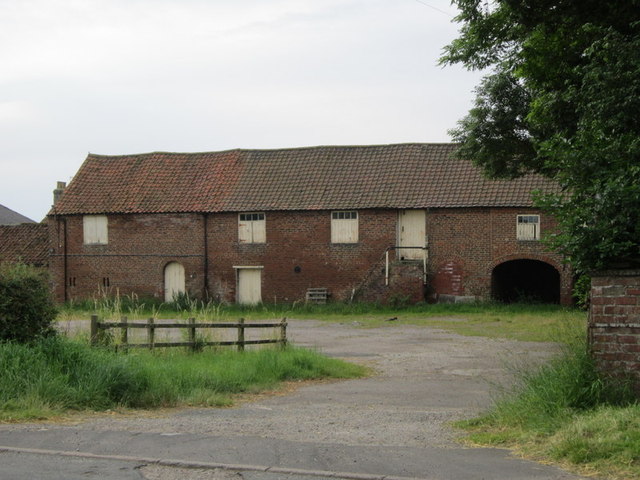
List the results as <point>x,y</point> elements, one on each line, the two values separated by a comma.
<point>392,425</point>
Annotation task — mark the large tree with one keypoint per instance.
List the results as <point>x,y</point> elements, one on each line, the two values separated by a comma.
<point>562,100</point>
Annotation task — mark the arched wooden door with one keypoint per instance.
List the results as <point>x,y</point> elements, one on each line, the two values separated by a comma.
<point>173,281</point>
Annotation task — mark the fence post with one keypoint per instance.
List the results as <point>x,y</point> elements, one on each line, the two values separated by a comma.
<point>151,333</point>
<point>124,333</point>
<point>93,335</point>
<point>283,332</point>
<point>192,333</point>
<point>240,335</point>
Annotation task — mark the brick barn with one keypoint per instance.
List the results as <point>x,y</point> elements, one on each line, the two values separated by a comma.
<point>382,223</point>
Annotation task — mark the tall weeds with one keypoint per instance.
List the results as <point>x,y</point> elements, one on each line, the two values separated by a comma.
<point>569,383</point>
<point>545,398</point>
<point>56,374</point>
<point>569,412</point>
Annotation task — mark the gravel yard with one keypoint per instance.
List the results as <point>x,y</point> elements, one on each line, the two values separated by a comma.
<point>424,378</point>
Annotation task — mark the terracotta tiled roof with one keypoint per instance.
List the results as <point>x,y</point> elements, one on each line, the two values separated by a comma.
<point>312,178</point>
<point>28,243</point>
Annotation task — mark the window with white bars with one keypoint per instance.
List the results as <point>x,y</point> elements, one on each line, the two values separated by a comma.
<point>252,228</point>
<point>94,229</point>
<point>528,227</point>
<point>344,227</point>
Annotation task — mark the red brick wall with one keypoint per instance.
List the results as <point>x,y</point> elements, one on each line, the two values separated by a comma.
<point>298,239</point>
<point>465,245</point>
<point>614,322</point>
<point>139,247</point>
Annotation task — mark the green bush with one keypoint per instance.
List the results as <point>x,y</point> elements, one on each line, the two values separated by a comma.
<point>27,311</point>
<point>582,291</point>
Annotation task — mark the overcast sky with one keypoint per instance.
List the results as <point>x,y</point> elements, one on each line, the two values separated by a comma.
<point>132,76</point>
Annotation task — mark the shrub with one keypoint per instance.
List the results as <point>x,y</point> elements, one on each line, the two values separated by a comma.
<point>582,291</point>
<point>27,311</point>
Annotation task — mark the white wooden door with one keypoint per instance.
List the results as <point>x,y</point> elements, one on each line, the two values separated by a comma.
<point>173,281</point>
<point>249,286</point>
<point>411,233</point>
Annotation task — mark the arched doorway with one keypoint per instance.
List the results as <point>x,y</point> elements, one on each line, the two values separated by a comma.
<point>173,281</point>
<point>525,281</point>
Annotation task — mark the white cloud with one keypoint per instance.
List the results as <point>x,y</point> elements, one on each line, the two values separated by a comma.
<point>15,113</point>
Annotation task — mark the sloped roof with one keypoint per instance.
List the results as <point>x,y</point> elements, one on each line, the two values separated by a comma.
<point>310,178</point>
<point>9,217</point>
<point>27,243</point>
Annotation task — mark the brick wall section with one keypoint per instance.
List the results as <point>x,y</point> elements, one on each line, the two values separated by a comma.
<point>298,239</point>
<point>614,322</point>
<point>139,247</point>
<point>405,282</point>
<point>464,247</point>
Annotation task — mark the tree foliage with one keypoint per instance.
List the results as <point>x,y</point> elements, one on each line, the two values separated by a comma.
<point>562,100</point>
<point>27,311</point>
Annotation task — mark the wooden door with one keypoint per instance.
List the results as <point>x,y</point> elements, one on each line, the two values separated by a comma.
<point>249,286</point>
<point>173,281</point>
<point>411,233</point>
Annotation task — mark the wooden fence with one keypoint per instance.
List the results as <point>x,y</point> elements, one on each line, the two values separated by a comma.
<point>99,328</point>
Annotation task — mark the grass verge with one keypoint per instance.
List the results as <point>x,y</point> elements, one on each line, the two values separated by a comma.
<point>515,321</point>
<point>567,413</point>
<point>49,377</point>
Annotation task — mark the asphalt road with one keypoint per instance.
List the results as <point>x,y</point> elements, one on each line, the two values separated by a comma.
<point>394,425</point>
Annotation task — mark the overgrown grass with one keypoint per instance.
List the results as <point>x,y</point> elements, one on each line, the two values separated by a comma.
<point>565,411</point>
<point>54,375</point>
<point>515,321</point>
<point>134,305</point>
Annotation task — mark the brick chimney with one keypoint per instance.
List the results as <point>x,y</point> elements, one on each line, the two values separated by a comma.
<point>59,190</point>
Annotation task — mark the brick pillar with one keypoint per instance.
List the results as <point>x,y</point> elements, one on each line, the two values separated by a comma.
<point>614,322</point>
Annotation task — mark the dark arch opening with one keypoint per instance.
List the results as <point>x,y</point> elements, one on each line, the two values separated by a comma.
<point>525,281</point>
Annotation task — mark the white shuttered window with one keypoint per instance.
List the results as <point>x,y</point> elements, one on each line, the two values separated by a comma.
<point>528,227</point>
<point>252,228</point>
<point>344,227</point>
<point>94,228</point>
